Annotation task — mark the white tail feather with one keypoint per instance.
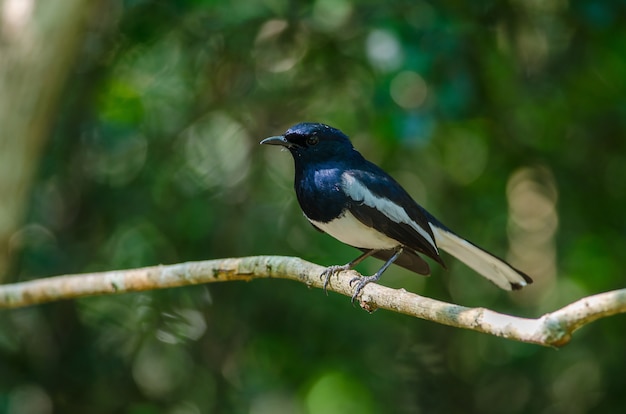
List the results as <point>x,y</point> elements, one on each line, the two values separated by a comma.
<point>490,267</point>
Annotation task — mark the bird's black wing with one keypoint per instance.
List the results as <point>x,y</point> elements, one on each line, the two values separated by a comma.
<point>378,201</point>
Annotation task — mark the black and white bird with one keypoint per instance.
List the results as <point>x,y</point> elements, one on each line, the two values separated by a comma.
<point>359,204</point>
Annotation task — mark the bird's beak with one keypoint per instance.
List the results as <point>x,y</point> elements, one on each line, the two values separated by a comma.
<point>277,140</point>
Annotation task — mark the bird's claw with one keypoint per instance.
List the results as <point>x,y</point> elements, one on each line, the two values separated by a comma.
<point>360,284</point>
<point>329,272</point>
<point>359,287</point>
<point>360,281</point>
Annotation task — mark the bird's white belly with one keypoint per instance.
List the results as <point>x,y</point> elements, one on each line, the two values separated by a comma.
<point>349,230</point>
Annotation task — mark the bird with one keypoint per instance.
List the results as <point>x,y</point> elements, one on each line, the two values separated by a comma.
<point>356,202</point>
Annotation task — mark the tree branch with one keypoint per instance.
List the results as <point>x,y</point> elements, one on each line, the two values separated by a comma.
<point>552,329</point>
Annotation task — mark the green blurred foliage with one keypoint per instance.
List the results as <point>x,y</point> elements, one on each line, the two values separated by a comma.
<point>154,159</point>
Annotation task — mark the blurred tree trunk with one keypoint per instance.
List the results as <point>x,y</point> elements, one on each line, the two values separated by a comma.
<point>39,41</point>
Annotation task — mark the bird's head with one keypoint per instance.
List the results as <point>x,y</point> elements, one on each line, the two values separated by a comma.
<point>312,141</point>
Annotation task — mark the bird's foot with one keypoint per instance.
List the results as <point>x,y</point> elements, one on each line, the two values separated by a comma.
<point>361,281</point>
<point>330,272</point>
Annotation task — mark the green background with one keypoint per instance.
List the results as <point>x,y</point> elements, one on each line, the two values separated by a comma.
<point>505,119</point>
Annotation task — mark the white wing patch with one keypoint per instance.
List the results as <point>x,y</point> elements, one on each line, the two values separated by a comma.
<point>359,192</point>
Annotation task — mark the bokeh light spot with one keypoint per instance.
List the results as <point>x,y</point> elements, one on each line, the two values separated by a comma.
<point>217,151</point>
<point>114,162</point>
<point>533,222</point>
<point>337,393</point>
<point>384,50</point>
<point>29,399</point>
<point>160,369</point>
<point>273,53</point>
<point>408,89</point>
<point>330,15</point>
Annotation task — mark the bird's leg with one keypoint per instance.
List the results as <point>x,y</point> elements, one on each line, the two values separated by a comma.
<point>335,269</point>
<point>362,281</point>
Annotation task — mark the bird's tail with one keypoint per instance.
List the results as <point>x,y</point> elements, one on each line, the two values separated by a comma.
<point>491,267</point>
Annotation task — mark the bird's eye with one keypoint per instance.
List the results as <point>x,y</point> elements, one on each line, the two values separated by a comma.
<point>312,140</point>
